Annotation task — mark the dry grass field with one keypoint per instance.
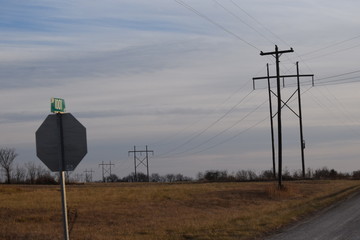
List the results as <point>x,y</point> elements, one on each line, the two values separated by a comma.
<point>149,211</point>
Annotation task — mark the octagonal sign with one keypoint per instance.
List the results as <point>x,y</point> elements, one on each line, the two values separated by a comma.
<point>48,142</point>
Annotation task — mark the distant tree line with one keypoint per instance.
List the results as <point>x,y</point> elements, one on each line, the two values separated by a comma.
<point>267,175</point>
<point>30,173</point>
<point>239,176</point>
<point>155,177</point>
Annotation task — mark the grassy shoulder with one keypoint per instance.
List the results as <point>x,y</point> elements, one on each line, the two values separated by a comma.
<point>150,211</point>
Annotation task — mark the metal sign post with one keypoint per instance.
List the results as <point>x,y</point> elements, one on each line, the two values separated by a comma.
<point>62,176</point>
<point>64,207</point>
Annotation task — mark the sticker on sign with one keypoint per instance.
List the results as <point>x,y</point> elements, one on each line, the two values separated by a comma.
<point>57,105</point>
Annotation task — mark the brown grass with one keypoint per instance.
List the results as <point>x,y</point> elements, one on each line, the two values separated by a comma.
<point>163,211</point>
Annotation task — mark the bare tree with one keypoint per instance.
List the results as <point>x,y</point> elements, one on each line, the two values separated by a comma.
<point>170,177</point>
<point>155,177</point>
<point>40,171</point>
<point>242,175</point>
<point>31,172</point>
<point>7,157</point>
<point>20,174</point>
<point>112,178</point>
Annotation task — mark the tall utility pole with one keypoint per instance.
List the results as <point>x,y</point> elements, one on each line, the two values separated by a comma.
<point>280,105</point>
<point>106,169</point>
<point>277,55</point>
<point>141,160</point>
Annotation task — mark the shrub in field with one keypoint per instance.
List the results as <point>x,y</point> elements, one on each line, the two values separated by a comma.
<point>47,179</point>
<point>356,175</point>
<point>216,176</point>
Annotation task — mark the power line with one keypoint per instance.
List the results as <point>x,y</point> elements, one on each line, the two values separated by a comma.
<point>342,107</point>
<point>321,82</point>
<point>223,131</point>
<point>215,23</point>
<point>258,22</point>
<point>233,137</point>
<point>334,115</point>
<point>247,24</point>
<point>330,46</point>
<point>339,75</point>
<point>330,53</point>
<point>340,81</point>
<point>263,26</point>
<point>193,123</point>
<point>209,126</point>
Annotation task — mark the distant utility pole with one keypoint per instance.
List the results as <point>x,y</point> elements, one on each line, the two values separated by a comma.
<point>88,175</point>
<point>106,169</point>
<point>280,105</point>
<point>141,160</point>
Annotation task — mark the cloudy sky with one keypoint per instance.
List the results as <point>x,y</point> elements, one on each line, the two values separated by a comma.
<point>177,76</point>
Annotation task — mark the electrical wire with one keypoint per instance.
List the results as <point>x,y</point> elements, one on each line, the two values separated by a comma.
<point>342,107</point>
<point>333,112</point>
<point>245,23</point>
<point>223,131</point>
<point>321,82</point>
<point>330,53</point>
<point>258,22</point>
<point>330,46</point>
<point>168,139</point>
<point>215,23</point>
<point>250,26</point>
<point>340,81</point>
<point>231,138</point>
<point>338,75</point>
<point>209,126</point>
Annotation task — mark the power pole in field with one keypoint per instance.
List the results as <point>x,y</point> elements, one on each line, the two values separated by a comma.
<point>141,160</point>
<point>280,105</point>
<point>106,169</point>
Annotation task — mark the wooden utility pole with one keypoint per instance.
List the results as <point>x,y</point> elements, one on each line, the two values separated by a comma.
<point>141,161</point>
<point>280,105</point>
<point>106,168</point>
<point>277,55</point>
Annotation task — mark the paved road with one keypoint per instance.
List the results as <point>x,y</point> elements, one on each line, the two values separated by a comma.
<point>340,222</point>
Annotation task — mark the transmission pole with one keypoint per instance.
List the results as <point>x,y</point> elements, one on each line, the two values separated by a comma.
<point>280,105</point>
<point>141,161</point>
<point>106,168</point>
<point>277,55</point>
